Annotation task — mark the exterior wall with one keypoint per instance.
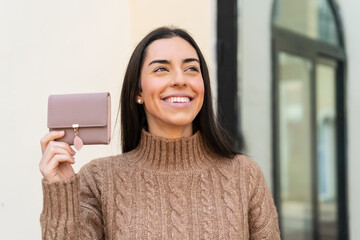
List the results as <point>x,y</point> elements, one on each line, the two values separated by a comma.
<point>51,47</point>
<point>255,79</point>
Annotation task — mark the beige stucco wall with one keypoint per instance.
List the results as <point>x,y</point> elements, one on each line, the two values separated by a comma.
<point>50,47</point>
<point>66,47</point>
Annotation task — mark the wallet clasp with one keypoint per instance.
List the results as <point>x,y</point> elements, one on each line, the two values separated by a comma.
<point>78,143</point>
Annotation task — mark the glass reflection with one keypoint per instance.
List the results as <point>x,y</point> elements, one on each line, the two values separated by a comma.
<point>295,147</point>
<point>312,18</point>
<point>326,152</point>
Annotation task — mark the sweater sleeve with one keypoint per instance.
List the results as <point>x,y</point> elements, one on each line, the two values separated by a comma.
<point>72,208</point>
<point>263,218</point>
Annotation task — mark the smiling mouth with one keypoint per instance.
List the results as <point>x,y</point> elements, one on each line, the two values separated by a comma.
<point>177,99</point>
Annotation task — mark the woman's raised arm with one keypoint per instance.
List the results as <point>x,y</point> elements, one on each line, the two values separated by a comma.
<point>72,202</point>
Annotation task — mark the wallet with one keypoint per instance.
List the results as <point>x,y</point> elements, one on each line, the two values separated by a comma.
<point>85,118</point>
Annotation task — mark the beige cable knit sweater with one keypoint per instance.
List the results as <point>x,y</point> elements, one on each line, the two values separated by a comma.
<point>164,189</point>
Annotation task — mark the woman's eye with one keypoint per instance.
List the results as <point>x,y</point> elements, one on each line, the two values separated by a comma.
<point>160,69</point>
<point>193,69</point>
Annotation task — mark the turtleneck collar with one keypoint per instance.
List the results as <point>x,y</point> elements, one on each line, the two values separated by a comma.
<point>172,155</point>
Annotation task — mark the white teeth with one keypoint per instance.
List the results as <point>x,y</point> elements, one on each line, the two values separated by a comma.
<point>177,99</point>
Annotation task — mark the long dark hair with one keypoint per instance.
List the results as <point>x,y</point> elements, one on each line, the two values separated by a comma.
<point>133,118</point>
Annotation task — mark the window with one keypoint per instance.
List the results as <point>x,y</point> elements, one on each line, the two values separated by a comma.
<point>309,120</point>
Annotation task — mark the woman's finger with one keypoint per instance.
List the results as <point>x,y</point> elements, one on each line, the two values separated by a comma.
<point>51,151</point>
<point>50,136</point>
<point>53,145</point>
<point>57,159</point>
<point>65,146</point>
<point>50,170</point>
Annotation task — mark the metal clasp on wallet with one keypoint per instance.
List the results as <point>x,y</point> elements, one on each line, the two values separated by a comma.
<point>78,143</point>
<point>75,127</point>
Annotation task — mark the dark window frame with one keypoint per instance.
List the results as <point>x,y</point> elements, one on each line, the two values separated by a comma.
<point>228,102</point>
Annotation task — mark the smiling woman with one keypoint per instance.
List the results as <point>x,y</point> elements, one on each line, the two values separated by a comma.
<point>161,55</point>
<point>178,177</point>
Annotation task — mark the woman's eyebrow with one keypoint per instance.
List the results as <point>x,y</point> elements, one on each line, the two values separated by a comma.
<point>162,61</point>
<point>186,60</point>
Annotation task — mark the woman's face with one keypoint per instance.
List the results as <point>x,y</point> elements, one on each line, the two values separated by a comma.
<point>172,87</point>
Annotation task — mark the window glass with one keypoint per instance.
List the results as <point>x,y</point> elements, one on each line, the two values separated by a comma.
<point>312,18</point>
<point>295,144</point>
<point>326,148</point>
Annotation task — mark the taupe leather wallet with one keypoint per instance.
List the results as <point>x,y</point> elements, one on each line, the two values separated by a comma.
<point>85,117</point>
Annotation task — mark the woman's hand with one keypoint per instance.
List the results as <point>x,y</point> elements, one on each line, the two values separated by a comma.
<point>57,157</point>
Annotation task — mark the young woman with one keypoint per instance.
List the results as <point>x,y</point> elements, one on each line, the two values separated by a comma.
<point>178,177</point>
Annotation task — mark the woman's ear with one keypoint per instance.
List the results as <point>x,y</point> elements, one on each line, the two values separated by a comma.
<point>139,99</point>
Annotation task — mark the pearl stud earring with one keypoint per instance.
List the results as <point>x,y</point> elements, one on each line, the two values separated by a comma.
<point>139,101</point>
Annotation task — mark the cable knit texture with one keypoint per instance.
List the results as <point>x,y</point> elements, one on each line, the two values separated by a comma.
<point>163,189</point>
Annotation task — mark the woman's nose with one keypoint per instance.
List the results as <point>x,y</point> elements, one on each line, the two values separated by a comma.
<point>178,79</point>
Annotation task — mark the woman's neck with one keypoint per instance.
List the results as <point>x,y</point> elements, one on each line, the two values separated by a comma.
<point>171,132</point>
